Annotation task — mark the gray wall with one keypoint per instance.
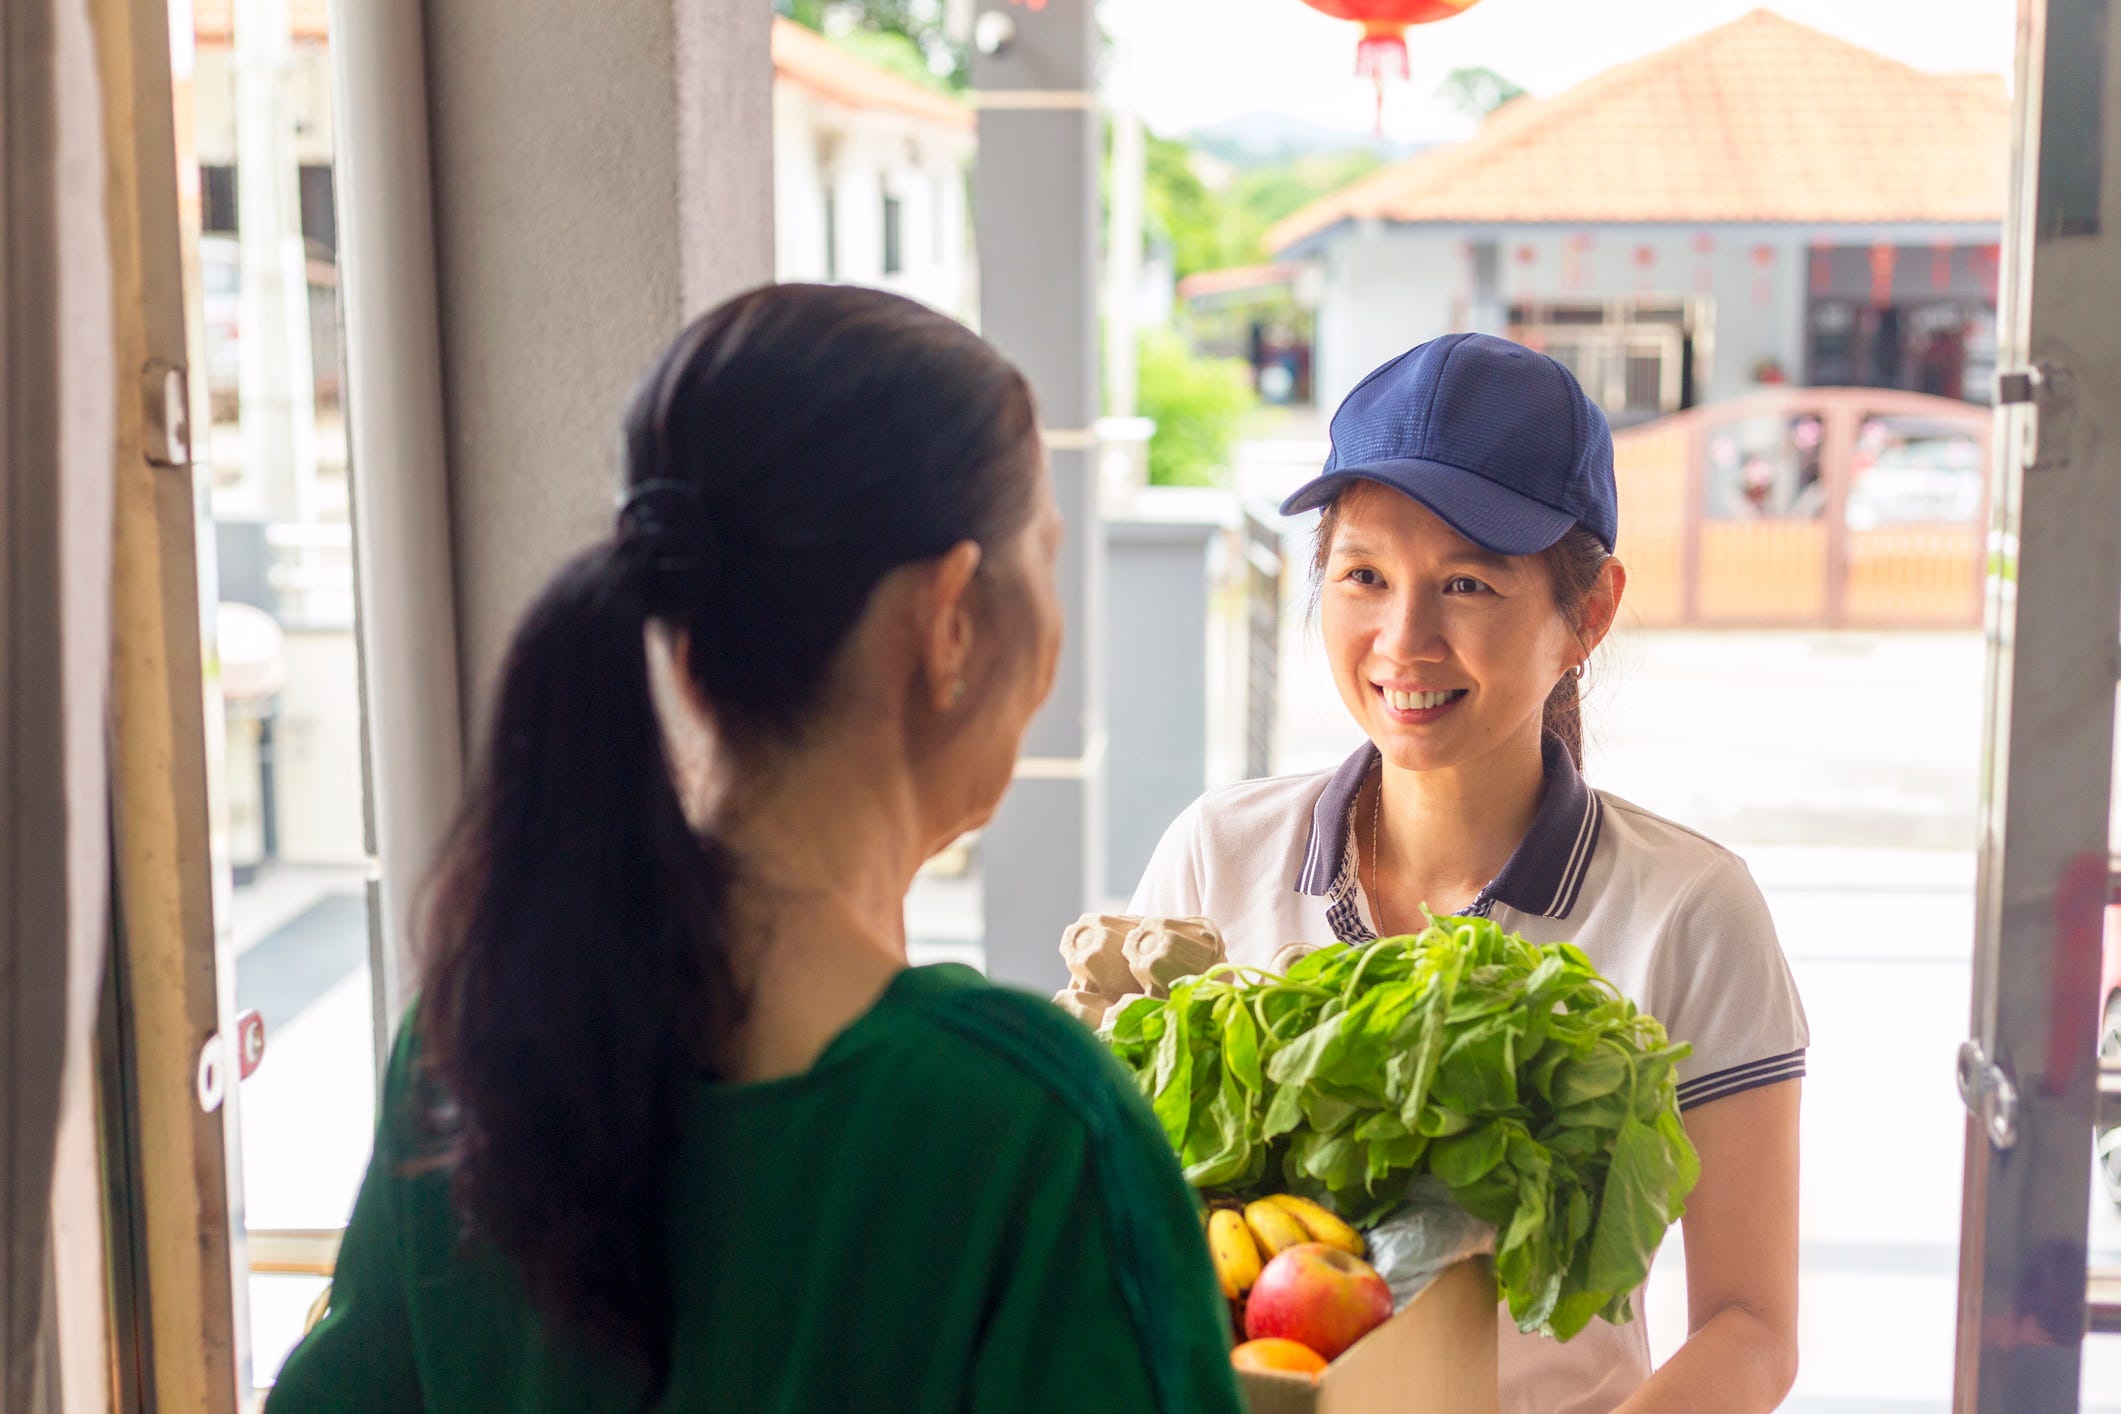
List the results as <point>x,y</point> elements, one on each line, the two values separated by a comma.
<point>601,174</point>
<point>1157,665</point>
<point>1388,288</point>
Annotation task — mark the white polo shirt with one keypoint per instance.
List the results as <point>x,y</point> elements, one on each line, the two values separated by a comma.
<point>1668,916</point>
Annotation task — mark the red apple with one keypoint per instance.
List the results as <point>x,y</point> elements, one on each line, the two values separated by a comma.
<point>1318,1296</point>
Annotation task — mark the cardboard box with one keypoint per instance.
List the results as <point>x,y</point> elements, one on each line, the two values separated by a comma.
<point>1435,1356</point>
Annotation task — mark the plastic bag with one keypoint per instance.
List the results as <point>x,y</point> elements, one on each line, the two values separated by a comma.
<point>1424,1236</point>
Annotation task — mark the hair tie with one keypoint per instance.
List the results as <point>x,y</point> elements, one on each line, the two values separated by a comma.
<point>664,524</point>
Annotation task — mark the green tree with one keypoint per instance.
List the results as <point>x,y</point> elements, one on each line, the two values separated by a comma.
<point>919,21</point>
<point>1477,92</point>
<point>1197,404</point>
<point>1265,195</point>
<point>1178,206</point>
<point>1214,228</point>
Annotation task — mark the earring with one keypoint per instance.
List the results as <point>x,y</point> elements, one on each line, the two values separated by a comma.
<point>1577,671</point>
<point>957,692</point>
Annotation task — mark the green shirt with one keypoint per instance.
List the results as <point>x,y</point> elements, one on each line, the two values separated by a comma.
<point>963,1205</point>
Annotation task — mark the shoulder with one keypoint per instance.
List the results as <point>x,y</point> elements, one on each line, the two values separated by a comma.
<point>990,1042</point>
<point>1667,860</point>
<point>1254,814</point>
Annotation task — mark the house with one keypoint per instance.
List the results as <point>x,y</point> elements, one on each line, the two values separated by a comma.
<point>870,176</point>
<point>1762,203</point>
<point>870,169</point>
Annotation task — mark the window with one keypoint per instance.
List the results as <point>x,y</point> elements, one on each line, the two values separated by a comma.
<point>894,251</point>
<point>1766,468</point>
<point>1913,471</point>
<point>320,217</point>
<point>1632,356</point>
<point>217,199</point>
<point>278,606</point>
<point>1946,348</point>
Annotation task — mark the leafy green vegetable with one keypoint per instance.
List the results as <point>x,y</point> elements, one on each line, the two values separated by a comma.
<point>1512,1072</point>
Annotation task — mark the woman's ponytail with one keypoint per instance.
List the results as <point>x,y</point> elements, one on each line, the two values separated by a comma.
<point>1562,717</point>
<point>581,963</point>
<point>790,449</point>
<point>1573,565</point>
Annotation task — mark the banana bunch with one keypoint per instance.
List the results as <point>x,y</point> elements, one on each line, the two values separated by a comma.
<point>1244,1237</point>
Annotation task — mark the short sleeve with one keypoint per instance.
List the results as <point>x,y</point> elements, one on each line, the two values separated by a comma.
<point>1110,1301</point>
<point>1065,1334</point>
<point>1171,886</point>
<point>1722,985</point>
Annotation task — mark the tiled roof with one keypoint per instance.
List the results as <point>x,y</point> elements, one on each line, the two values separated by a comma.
<point>807,59</point>
<point>214,21</point>
<point>1242,277</point>
<point>1762,119</point>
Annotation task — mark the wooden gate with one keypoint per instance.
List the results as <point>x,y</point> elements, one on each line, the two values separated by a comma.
<point>1807,508</point>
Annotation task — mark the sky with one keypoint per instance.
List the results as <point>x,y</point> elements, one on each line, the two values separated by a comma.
<point>1200,61</point>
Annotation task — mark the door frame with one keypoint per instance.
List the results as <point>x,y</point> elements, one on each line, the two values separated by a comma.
<point>2030,1073</point>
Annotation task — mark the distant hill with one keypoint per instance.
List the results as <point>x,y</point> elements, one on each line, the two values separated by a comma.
<point>1271,139</point>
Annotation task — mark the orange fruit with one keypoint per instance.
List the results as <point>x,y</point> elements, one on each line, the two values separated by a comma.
<point>1278,1356</point>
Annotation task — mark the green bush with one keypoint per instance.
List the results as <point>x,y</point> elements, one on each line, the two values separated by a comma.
<point>1197,404</point>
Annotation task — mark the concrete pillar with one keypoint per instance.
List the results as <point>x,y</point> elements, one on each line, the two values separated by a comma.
<point>1035,206</point>
<point>576,185</point>
<point>278,386</point>
<point>601,174</point>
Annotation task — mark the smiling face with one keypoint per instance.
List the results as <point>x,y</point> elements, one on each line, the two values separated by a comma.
<point>1442,651</point>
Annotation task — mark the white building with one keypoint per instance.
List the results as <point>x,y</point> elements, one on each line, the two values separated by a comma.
<point>1762,203</point>
<point>869,175</point>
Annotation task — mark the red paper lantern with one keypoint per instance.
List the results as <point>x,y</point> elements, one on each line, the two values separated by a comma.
<point>1382,52</point>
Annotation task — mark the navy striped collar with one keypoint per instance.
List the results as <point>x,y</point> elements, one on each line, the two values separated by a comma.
<point>1543,877</point>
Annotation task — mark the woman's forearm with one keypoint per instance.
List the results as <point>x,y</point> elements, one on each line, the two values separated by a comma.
<point>1734,1363</point>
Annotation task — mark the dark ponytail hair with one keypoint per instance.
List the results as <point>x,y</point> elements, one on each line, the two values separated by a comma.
<point>1572,566</point>
<point>788,451</point>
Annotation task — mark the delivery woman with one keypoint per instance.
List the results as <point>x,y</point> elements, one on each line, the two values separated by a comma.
<point>674,1126</point>
<point>1465,575</point>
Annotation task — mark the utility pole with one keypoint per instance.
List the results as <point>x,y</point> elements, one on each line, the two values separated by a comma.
<point>278,386</point>
<point>1035,206</point>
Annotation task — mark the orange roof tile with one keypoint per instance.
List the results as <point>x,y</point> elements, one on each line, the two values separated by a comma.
<point>214,21</point>
<point>1762,119</point>
<point>809,60</point>
<point>1204,283</point>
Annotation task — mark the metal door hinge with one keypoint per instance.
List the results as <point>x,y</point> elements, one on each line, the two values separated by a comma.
<point>2049,389</point>
<point>165,415</point>
<point>1989,1094</point>
<point>250,1051</point>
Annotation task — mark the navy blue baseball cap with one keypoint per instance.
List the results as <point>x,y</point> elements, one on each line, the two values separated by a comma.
<point>1497,439</point>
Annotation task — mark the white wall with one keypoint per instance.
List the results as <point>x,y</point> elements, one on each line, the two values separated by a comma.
<point>1384,291</point>
<point>798,201</point>
<point>1389,288</point>
<point>862,156</point>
